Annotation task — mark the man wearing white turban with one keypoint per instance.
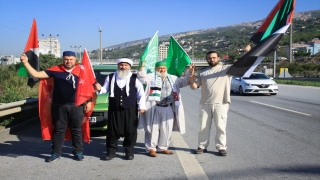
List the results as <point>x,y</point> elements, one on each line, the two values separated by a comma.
<point>126,98</point>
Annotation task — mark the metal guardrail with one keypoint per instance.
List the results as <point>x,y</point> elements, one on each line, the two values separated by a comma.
<point>19,106</point>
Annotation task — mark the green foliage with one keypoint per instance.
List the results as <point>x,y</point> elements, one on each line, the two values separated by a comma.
<point>301,54</point>
<point>300,69</point>
<point>14,88</point>
<point>297,82</point>
<point>226,40</point>
<point>48,60</point>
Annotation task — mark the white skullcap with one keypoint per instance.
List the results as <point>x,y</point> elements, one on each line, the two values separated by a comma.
<point>126,60</point>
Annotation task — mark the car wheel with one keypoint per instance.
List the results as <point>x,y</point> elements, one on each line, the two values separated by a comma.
<point>241,91</point>
<point>273,93</point>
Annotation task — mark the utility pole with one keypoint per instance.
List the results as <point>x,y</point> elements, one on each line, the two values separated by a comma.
<point>100,30</point>
<point>274,63</point>
<point>50,40</point>
<point>77,47</point>
<point>290,44</point>
<point>192,49</point>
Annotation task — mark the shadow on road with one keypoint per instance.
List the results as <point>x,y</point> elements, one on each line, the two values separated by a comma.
<point>28,142</point>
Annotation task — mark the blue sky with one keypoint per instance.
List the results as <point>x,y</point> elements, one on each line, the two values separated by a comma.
<point>77,21</point>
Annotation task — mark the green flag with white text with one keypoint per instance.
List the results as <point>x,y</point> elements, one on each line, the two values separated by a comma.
<point>177,58</point>
<point>150,54</point>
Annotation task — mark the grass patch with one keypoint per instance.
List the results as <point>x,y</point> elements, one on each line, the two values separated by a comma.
<point>299,82</point>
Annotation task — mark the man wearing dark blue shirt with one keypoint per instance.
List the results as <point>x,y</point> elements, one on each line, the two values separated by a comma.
<point>63,109</point>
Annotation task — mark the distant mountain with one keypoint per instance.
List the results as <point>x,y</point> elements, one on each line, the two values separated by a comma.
<point>300,15</point>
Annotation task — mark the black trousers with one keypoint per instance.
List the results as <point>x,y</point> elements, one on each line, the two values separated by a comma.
<point>62,115</point>
<point>122,123</point>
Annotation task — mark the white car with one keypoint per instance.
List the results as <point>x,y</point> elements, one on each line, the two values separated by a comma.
<point>257,83</point>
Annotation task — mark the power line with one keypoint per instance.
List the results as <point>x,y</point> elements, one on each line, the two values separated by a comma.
<point>15,22</point>
<point>4,37</point>
<point>13,28</point>
<point>11,40</point>
<point>12,44</point>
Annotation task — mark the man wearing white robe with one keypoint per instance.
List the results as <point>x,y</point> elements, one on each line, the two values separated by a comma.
<point>164,108</point>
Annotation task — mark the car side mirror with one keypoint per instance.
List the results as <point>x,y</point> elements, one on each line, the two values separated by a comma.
<point>271,78</point>
<point>237,78</point>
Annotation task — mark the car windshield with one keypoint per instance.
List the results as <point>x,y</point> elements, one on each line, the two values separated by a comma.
<point>257,76</point>
<point>102,74</point>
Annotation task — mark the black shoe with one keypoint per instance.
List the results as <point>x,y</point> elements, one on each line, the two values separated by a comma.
<point>200,151</point>
<point>129,153</point>
<point>79,156</point>
<point>222,152</point>
<point>129,156</point>
<point>110,155</point>
<point>53,157</point>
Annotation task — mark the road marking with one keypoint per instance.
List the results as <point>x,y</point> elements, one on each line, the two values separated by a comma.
<point>190,165</point>
<point>282,108</point>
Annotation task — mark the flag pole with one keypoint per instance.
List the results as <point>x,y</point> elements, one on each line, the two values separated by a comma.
<point>290,44</point>
<point>274,63</point>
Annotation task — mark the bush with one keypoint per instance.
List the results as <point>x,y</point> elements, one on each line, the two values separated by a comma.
<point>14,88</point>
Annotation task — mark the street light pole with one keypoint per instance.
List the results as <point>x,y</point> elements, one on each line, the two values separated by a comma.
<point>76,47</point>
<point>290,44</point>
<point>100,30</point>
<point>192,49</point>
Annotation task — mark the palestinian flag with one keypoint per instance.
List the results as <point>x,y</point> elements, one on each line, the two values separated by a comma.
<point>32,52</point>
<point>267,38</point>
<point>280,16</point>
<point>177,59</point>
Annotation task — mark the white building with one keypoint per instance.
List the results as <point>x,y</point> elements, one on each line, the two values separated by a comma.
<point>163,51</point>
<point>9,59</point>
<point>49,45</point>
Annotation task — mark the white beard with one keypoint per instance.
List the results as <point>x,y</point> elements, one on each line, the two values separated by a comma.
<point>163,75</point>
<point>123,73</point>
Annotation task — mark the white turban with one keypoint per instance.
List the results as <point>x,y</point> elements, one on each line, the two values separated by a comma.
<point>126,60</point>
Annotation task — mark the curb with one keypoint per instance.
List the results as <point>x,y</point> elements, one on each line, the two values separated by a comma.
<point>8,131</point>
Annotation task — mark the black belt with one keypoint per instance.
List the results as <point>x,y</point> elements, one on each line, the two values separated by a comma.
<point>166,105</point>
<point>61,104</point>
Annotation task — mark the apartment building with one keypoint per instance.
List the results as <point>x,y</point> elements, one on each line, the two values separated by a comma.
<point>50,45</point>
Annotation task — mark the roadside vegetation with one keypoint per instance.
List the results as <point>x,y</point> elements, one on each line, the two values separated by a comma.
<point>298,82</point>
<point>14,88</point>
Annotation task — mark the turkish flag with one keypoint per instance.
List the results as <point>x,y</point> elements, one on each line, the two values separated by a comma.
<point>87,78</point>
<point>85,90</point>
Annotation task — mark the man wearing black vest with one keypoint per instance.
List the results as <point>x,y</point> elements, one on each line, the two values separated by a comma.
<point>126,98</point>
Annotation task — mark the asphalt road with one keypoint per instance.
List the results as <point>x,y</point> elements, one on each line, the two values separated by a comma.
<point>269,137</point>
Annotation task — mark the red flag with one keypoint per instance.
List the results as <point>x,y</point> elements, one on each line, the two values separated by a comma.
<point>32,52</point>
<point>87,78</point>
<point>85,90</point>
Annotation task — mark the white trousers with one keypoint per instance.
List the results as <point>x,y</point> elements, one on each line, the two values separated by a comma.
<point>218,113</point>
<point>161,129</point>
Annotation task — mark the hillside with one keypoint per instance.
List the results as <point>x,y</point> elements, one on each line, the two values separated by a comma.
<point>225,39</point>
